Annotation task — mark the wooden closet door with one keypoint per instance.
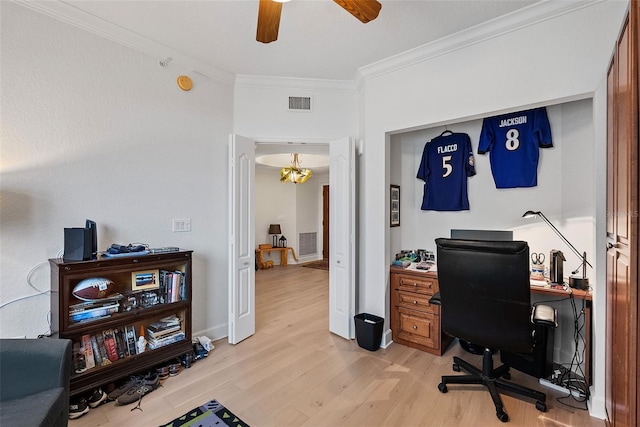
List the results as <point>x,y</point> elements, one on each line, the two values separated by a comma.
<point>621,399</point>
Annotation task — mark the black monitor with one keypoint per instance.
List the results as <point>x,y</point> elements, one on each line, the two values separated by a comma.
<point>503,235</point>
<point>91,225</point>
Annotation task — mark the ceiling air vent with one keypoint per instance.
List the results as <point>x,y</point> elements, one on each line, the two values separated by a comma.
<point>299,103</point>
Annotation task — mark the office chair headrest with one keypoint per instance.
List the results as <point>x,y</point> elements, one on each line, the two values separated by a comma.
<point>491,246</point>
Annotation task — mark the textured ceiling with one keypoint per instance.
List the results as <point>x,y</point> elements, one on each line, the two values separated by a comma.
<point>317,38</point>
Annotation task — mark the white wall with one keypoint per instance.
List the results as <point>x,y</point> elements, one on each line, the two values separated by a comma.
<point>91,129</point>
<point>261,109</point>
<point>555,60</point>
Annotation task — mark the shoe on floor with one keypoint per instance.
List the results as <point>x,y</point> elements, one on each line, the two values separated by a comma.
<point>96,398</point>
<point>124,387</point>
<point>77,407</point>
<point>145,386</point>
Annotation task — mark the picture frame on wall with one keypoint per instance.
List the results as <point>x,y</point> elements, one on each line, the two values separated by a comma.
<point>394,206</point>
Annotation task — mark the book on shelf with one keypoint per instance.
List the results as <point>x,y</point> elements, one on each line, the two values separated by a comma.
<point>120,343</point>
<point>169,339</point>
<point>103,349</point>
<point>96,351</point>
<point>164,323</point>
<point>162,333</point>
<point>89,359</point>
<point>89,312</point>
<point>97,304</point>
<point>130,333</point>
<point>110,345</point>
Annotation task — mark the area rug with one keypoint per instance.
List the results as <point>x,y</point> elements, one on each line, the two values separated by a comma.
<point>211,414</point>
<point>322,264</point>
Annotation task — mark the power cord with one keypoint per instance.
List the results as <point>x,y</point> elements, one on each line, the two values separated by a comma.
<point>38,291</point>
<point>571,376</point>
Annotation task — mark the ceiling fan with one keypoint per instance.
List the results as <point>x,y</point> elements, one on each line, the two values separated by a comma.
<point>269,15</point>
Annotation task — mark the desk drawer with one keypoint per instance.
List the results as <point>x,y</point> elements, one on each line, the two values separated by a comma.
<point>424,286</point>
<point>416,301</point>
<point>420,328</point>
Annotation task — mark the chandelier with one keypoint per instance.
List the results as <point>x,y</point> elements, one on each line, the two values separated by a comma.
<point>295,173</point>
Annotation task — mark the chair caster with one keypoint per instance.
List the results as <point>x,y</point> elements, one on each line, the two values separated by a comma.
<point>502,416</point>
<point>541,406</point>
<point>442,387</point>
<point>456,367</point>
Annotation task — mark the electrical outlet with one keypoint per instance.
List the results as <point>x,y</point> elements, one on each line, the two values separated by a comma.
<point>181,225</point>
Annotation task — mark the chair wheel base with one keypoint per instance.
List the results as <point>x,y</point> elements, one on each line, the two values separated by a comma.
<point>502,416</point>
<point>442,387</point>
<point>541,406</point>
<point>456,367</point>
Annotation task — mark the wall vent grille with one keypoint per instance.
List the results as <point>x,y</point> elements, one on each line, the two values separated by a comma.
<point>300,103</point>
<point>307,243</point>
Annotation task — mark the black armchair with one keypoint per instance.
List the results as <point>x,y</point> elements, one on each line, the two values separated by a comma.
<point>485,298</point>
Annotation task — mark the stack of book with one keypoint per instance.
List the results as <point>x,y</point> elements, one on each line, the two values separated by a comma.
<point>172,286</point>
<point>94,310</point>
<point>164,332</point>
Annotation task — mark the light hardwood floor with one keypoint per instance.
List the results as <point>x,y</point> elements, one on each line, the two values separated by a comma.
<point>293,372</point>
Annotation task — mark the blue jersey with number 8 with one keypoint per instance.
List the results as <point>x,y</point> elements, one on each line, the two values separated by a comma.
<point>513,141</point>
<point>447,161</point>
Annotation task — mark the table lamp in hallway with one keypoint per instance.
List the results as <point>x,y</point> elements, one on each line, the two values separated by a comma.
<point>274,230</point>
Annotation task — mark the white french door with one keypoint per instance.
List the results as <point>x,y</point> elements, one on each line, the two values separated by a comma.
<point>342,237</point>
<point>242,238</point>
<point>242,316</point>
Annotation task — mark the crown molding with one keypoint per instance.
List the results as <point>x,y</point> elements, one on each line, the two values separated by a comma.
<point>296,83</point>
<point>521,18</point>
<point>73,16</point>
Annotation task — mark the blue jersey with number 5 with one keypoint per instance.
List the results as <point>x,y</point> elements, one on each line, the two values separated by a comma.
<point>513,141</point>
<point>447,161</point>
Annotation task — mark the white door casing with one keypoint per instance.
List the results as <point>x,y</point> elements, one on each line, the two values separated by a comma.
<point>342,238</point>
<point>242,317</point>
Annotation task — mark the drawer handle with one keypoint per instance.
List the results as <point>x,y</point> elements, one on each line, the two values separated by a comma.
<point>415,327</point>
<point>415,284</point>
<point>415,302</point>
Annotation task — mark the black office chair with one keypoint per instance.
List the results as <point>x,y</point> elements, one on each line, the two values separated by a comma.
<point>485,299</point>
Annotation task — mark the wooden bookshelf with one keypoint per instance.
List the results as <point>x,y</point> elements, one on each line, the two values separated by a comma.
<point>135,311</point>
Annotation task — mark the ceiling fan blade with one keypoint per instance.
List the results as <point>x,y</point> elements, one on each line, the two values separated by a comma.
<point>268,21</point>
<point>364,10</point>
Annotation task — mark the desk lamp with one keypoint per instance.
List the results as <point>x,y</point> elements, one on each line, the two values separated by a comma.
<point>275,230</point>
<point>574,282</point>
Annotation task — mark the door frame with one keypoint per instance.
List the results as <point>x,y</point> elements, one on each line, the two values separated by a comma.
<point>348,332</point>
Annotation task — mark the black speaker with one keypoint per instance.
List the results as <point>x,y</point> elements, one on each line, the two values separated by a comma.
<point>77,244</point>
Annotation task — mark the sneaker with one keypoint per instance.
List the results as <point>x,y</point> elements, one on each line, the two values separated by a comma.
<point>124,387</point>
<point>77,407</point>
<point>96,398</point>
<point>145,386</point>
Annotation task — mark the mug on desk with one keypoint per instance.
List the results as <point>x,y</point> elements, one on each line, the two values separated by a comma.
<point>537,265</point>
<point>537,270</point>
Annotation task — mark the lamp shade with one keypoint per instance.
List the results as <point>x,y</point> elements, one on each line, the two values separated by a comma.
<point>274,229</point>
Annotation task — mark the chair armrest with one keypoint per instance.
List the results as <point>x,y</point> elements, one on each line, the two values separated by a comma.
<point>544,315</point>
<point>435,299</point>
<point>28,366</point>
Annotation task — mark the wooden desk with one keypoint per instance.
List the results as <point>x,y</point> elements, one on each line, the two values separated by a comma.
<point>284,255</point>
